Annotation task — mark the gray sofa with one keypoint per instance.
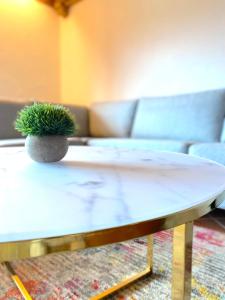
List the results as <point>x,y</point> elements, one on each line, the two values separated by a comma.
<point>190,123</point>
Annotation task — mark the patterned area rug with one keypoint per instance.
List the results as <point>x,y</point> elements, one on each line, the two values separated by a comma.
<point>82,274</point>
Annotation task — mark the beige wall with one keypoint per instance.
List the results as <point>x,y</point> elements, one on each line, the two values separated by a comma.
<point>29,50</point>
<point>117,49</point>
<point>83,55</point>
<point>111,49</point>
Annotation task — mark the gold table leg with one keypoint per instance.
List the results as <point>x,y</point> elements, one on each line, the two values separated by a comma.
<point>182,261</point>
<point>134,277</point>
<point>18,282</point>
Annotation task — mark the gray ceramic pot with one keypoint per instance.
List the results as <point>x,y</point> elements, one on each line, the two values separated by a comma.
<point>46,148</point>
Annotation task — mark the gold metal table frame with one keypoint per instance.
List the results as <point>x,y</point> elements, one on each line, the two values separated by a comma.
<point>181,222</point>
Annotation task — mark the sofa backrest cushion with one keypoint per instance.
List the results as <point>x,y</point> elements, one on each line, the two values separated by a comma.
<point>192,117</point>
<point>222,138</point>
<point>8,114</point>
<point>112,119</point>
<point>81,117</point>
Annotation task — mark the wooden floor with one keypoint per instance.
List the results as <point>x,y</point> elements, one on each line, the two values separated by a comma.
<point>214,220</point>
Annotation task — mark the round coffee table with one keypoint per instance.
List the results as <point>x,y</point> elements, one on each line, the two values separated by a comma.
<point>98,196</point>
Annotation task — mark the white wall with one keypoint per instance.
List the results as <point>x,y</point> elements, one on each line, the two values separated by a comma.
<point>29,51</point>
<point>118,49</point>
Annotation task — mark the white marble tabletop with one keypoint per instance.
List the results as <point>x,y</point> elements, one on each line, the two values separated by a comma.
<point>96,188</point>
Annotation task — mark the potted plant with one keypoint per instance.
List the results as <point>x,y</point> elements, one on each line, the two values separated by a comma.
<point>46,127</point>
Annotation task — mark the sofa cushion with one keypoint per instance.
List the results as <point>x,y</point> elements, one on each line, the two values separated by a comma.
<point>8,113</point>
<point>213,151</point>
<point>157,145</point>
<point>195,117</point>
<point>82,118</point>
<point>78,141</point>
<point>81,141</point>
<point>222,138</point>
<point>12,142</point>
<point>112,119</point>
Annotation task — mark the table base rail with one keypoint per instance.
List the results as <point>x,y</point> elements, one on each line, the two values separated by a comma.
<point>132,278</point>
<point>181,275</point>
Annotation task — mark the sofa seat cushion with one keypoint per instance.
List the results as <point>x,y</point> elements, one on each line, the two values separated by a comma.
<point>112,119</point>
<point>78,141</point>
<point>213,151</point>
<point>192,117</point>
<point>157,145</point>
<point>12,142</point>
<point>81,141</point>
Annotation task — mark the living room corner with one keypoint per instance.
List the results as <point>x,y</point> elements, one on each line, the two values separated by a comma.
<point>112,149</point>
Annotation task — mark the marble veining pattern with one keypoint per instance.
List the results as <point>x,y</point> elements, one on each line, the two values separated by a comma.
<point>98,188</point>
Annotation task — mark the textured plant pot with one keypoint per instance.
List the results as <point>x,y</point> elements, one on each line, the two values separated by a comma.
<point>46,148</point>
